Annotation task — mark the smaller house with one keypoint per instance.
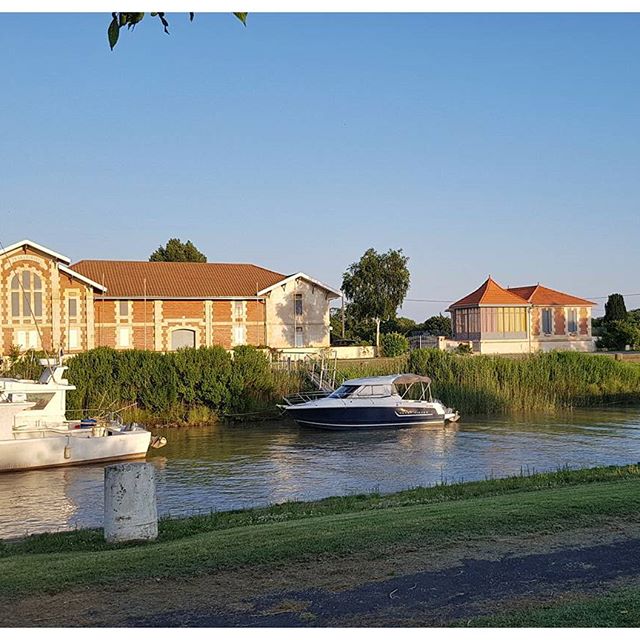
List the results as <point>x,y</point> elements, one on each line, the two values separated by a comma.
<point>494,319</point>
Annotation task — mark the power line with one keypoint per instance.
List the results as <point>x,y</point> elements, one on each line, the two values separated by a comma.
<point>424,300</point>
<point>626,295</point>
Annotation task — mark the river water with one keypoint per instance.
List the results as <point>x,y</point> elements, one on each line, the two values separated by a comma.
<point>234,466</point>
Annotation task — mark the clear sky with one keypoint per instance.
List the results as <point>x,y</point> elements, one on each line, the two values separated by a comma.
<point>479,144</point>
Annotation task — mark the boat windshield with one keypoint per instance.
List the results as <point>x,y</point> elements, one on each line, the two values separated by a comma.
<point>345,391</point>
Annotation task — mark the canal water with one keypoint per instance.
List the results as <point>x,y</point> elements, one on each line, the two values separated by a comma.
<point>242,465</point>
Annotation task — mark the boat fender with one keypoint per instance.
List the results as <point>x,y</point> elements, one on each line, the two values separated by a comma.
<point>157,442</point>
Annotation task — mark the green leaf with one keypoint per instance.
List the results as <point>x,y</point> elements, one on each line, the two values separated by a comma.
<point>242,17</point>
<point>113,32</point>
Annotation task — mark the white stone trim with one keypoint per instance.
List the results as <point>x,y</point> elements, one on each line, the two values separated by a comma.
<point>304,276</point>
<point>82,278</point>
<point>37,247</point>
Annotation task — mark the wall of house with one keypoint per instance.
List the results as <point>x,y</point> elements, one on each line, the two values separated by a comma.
<point>151,324</point>
<point>54,329</point>
<point>560,338</point>
<point>501,346</point>
<point>283,323</point>
<point>519,342</point>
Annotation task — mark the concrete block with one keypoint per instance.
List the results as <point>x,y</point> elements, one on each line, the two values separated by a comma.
<point>130,511</point>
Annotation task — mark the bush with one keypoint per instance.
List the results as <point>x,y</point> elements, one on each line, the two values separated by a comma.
<point>393,344</point>
<point>184,386</point>
<point>464,349</point>
<point>23,364</point>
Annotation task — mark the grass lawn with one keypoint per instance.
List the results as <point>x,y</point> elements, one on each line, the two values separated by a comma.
<point>618,608</point>
<point>291,532</point>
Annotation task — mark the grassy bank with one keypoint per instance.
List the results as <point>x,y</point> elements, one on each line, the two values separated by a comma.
<point>370,524</point>
<point>534,383</point>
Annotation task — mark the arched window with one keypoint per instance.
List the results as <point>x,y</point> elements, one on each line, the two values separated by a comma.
<point>26,295</point>
<point>181,338</point>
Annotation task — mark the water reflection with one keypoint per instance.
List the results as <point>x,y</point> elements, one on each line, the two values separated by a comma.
<point>226,467</point>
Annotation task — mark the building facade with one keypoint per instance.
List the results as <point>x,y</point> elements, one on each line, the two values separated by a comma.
<point>49,303</point>
<point>522,320</point>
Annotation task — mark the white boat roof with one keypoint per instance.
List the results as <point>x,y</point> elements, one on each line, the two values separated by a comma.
<point>396,378</point>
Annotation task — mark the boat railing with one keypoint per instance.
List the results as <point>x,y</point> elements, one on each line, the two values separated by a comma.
<point>305,396</point>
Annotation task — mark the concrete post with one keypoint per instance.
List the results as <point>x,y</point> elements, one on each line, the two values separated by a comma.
<point>130,511</point>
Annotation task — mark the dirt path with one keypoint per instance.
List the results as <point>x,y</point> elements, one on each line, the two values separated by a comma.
<point>406,587</point>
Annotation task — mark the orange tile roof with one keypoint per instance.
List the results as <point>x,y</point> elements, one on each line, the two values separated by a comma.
<point>489,293</point>
<point>126,279</point>
<point>539,295</point>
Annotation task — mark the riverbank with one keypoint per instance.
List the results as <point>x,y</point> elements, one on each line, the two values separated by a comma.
<point>318,550</point>
<point>205,385</point>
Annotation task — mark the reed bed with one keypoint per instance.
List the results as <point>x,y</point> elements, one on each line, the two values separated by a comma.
<point>543,382</point>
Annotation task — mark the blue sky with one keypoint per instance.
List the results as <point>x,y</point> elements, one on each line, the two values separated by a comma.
<point>480,144</point>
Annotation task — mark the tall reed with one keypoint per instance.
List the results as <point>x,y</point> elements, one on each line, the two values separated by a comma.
<point>538,382</point>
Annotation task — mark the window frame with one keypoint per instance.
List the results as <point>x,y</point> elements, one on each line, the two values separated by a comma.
<point>243,331</point>
<point>124,331</point>
<point>26,296</point>
<point>549,311</point>
<point>570,311</point>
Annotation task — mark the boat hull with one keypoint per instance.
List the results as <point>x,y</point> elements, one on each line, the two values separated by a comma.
<point>56,451</point>
<point>339,418</point>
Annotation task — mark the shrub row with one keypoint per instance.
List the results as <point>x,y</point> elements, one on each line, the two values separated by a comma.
<point>185,386</point>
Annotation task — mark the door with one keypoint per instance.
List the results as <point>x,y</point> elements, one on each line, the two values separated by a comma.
<point>181,338</point>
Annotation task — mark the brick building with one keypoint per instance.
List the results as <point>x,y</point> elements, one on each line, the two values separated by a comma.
<point>49,302</point>
<point>522,319</point>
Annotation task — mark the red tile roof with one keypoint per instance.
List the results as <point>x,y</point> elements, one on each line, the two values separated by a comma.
<point>489,293</point>
<point>126,279</point>
<point>539,295</point>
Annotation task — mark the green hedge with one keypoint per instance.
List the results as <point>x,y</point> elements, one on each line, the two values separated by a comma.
<point>185,386</point>
<point>538,382</point>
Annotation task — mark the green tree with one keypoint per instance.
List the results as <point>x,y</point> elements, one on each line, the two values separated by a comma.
<point>438,326</point>
<point>634,316</point>
<point>399,325</point>
<point>177,251</point>
<point>358,331</point>
<point>130,20</point>
<point>614,308</point>
<point>376,286</point>
<point>616,335</point>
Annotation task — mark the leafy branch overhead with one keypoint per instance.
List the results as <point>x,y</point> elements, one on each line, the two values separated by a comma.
<point>130,20</point>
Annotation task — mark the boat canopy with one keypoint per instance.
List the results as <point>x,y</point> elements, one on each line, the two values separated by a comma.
<point>411,378</point>
<point>398,379</point>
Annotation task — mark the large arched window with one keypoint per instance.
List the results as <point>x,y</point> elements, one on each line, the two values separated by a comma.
<point>26,295</point>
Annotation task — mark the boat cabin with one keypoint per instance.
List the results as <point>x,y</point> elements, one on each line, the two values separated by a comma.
<point>404,386</point>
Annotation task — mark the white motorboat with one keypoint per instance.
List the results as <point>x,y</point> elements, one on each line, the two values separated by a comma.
<point>34,431</point>
<point>365,403</point>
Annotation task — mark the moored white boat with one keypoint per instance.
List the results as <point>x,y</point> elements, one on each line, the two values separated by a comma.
<point>34,432</point>
<point>366,403</point>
